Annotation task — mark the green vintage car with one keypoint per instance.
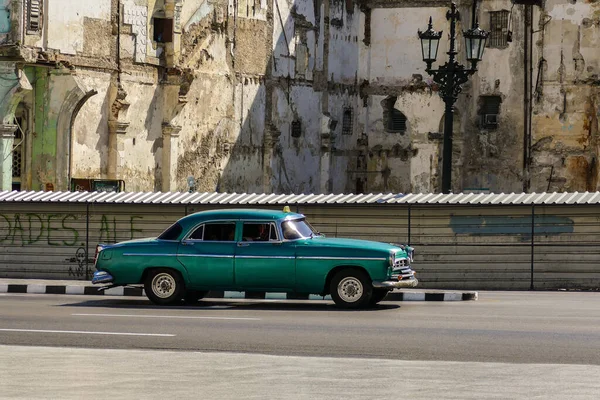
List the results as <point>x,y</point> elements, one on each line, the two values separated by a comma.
<point>254,250</point>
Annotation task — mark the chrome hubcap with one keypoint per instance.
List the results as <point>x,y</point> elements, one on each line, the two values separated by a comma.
<point>163,285</point>
<point>350,289</point>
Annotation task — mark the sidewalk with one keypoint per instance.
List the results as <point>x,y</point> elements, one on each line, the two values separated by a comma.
<point>73,287</point>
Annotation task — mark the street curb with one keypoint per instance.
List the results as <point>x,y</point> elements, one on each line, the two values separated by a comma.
<point>405,295</point>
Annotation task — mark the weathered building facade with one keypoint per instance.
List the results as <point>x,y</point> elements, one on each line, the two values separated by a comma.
<point>293,96</point>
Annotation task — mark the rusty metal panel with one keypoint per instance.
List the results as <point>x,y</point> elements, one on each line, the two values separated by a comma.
<point>385,224</point>
<point>570,260</point>
<point>472,247</point>
<point>459,245</point>
<point>116,223</point>
<point>42,241</point>
<point>58,241</point>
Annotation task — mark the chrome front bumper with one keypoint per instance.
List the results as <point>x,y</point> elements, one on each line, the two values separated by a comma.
<point>101,277</point>
<point>405,283</point>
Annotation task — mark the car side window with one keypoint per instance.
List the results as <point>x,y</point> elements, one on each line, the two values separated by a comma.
<point>198,234</point>
<point>259,232</point>
<point>172,232</point>
<point>219,232</point>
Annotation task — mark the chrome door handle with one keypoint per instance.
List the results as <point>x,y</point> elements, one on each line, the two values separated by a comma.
<point>242,244</point>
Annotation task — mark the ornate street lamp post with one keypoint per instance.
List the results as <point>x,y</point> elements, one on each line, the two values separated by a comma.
<point>451,76</point>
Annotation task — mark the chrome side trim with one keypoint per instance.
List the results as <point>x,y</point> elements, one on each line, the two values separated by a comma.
<point>205,255</point>
<point>269,257</point>
<point>150,254</point>
<point>344,258</point>
<point>194,241</point>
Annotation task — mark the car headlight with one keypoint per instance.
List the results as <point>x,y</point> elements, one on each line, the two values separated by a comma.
<point>392,258</point>
<point>410,252</point>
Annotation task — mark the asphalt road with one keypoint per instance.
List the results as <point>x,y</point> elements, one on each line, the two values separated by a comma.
<point>553,328</point>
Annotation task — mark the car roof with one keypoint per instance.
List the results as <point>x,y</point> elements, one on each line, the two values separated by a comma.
<point>240,213</point>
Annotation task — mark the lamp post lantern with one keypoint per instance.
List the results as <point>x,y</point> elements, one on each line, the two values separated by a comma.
<point>451,76</point>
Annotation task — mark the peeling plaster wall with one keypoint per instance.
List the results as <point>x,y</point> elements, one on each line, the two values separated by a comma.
<point>395,50</point>
<point>492,159</point>
<point>69,25</point>
<point>218,104</point>
<point>391,64</point>
<point>296,162</point>
<point>90,136</point>
<point>5,20</point>
<point>143,137</point>
<point>343,42</point>
<point>565,138</point>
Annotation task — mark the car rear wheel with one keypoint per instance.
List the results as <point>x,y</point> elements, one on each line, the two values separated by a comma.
<point>192,296</point>
<point>164,286</point>
<point>351,288</point>
<point>378,295</point>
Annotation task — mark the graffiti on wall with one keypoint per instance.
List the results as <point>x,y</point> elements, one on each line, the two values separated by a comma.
<point>82,260</point>
<point>64,229</point>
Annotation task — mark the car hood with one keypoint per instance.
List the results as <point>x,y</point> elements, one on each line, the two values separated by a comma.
<point>354,244</point>
<point>133,241</point>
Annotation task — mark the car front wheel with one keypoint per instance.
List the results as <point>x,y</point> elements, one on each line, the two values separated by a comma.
<point>164,286</point>
<point>351,288</point>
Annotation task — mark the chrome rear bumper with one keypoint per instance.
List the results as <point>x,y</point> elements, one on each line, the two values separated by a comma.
<point>101,277</point>
<point>405,283</point>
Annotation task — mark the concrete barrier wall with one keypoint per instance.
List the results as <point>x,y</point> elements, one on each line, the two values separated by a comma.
<point>458,247</point>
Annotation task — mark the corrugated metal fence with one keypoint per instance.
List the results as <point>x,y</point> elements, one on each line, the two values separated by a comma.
<point>460,245</point>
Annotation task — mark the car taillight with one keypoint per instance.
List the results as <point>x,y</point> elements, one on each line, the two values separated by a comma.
<point>98,249</point>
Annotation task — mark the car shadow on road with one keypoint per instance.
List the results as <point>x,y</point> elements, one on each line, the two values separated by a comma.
<point>219,305</point>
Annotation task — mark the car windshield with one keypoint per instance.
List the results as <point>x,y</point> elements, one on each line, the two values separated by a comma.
<point>297,229</point>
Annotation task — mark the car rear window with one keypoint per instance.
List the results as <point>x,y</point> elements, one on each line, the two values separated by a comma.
<point>172,233</point>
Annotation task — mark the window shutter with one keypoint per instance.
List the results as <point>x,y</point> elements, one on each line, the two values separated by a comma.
<point>34,15</point>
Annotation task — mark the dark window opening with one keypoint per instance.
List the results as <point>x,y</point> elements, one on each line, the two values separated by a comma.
<point>498,29</point>
<point>360,186</point>
<point>172,232</point>
<point>163,30</point>
<point>397,122</point>
<point>17,153</point>
<point>259,232</point>
<point>296,129</point>
<point>34,14</point>
<point>219,232</point>
<point>349,6</point>
<point>489,111</point>
<point>347,121</point>
<point>394,120</point>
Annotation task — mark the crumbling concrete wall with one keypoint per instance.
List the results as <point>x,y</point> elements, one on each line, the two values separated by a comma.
<point>491,158</point>
<point>294,96</point>
<point>567,98</point>
<point>392,70</point>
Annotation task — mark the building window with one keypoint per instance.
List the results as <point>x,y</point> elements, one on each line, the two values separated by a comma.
<point>296,129</point>
<point>498,29</point>
<point>489,111</point>
<point>347,121</point>
<point>394,120</point>
<point>163,30</point>
<point>34,15</point>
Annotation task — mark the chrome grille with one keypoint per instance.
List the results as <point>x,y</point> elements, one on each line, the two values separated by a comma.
<point>401,262</point>
<point>401,269</point>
